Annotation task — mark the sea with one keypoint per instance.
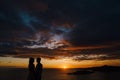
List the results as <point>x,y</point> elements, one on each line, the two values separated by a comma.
<point>56,74</point>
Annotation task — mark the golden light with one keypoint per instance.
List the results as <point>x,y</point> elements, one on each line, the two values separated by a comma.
<point>64,67</point>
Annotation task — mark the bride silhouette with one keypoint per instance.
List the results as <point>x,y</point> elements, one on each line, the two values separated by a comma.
<point>31,68</point>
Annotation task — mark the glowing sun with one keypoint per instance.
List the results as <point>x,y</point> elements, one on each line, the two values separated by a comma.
<point>64,67</point>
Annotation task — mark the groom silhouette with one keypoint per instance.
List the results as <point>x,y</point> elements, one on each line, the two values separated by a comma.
<point>38,69</point>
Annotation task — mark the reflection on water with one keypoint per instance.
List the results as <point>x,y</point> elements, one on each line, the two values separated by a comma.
<point>57,74</point>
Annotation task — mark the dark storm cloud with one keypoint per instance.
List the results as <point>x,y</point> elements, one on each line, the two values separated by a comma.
<point>108,53</point>
<point>79,22</point>
<point>98,23</point>
<point>98,54</point>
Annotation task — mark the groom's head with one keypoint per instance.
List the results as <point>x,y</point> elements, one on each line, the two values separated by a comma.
<point>38,60</point>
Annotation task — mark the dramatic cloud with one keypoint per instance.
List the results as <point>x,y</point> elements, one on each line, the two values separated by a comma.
<point>78,29</point>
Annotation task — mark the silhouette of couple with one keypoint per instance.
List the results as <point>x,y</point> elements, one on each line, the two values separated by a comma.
<point>35,73</point>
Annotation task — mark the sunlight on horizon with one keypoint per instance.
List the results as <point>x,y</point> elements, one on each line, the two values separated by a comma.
<point>59,63</point>
<point>65,67</point>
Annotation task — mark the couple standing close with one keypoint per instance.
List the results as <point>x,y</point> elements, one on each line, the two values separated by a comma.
<point>35,73</point>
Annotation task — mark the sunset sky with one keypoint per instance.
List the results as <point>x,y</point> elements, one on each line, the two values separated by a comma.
<point>64,33</point>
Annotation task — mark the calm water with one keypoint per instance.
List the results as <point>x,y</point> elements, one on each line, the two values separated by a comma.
<point>56,74</point>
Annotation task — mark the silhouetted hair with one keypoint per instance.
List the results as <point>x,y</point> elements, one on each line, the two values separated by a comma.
<point>31,60</point>
<point>38,60</point>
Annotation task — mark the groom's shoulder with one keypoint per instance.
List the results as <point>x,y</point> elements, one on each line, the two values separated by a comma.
<point>41,64</point>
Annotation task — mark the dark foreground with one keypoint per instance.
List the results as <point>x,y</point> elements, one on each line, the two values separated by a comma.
<point>56,74</point>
